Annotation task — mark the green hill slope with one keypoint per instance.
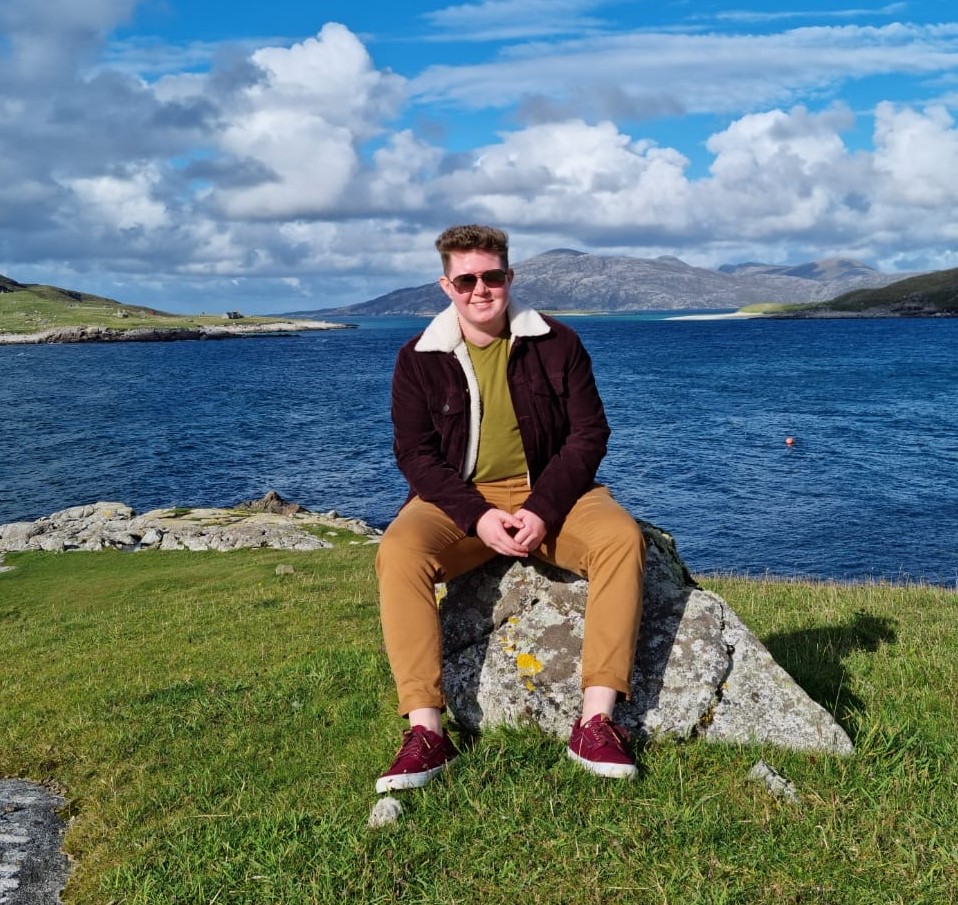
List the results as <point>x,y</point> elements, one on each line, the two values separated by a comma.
<point>32,312</point>
<point>30,307</point>
<point>928,295</point>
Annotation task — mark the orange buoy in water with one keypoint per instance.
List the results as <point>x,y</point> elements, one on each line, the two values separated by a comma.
<point>789,441</point>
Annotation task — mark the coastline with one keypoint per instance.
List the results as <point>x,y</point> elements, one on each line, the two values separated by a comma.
<point>733,315</point>
<point>89,334</point>
<point>274,522</point>
<point>267,522</point>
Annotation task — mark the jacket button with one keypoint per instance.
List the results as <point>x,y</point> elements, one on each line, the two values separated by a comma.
<point>445,409</point>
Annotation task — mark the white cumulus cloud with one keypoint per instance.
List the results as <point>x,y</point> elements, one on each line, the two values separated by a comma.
<point>118,203</point>
<point>303,167</point>
<point>575,176</point>
<point>917,152</point>
<point>303,123</point>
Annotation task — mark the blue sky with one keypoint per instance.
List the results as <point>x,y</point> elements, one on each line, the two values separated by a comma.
<point>275,156</point>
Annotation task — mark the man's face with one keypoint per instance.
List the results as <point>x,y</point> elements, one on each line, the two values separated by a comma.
<point>482,309</point>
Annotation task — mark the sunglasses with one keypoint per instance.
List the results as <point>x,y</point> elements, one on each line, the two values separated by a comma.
<point>493,279</point>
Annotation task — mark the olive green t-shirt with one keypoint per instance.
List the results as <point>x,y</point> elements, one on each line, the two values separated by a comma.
<point>500,445</point>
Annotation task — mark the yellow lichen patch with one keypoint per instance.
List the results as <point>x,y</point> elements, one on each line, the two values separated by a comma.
<point>506,639</point>
<point>528,665</point>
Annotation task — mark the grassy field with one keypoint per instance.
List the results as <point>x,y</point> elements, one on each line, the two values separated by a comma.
<point>218,728</point>
<point>46,307</point>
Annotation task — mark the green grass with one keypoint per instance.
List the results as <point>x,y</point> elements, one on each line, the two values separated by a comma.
<point>935,292</point>
<point>774,307</point>
<point>938,290</point>
<point>39,308</point>
<point>217,729</point>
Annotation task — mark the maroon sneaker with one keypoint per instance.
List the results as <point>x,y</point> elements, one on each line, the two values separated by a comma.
<point>421,756</point>
<point>599,746</point>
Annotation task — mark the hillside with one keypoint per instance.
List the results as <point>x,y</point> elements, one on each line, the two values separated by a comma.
<point>25,307</point>
<point>927,295</point>
<point>569,280</point>
<point>35,313</point>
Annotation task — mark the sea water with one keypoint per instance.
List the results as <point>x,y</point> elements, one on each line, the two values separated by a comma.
<point>700,411</point>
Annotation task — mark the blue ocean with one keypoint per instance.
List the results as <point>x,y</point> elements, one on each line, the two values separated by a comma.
<point>700,412</point>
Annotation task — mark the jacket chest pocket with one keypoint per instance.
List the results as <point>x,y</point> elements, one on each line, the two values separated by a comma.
<point>446,407</point>
<point>551,386</point>
<point>549,390</point>
<point>549,401</point>
<point>448,413</point>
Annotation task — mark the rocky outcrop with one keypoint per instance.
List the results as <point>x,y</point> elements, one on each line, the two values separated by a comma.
<point>33,869</point>
<point>271,502</point>
<point>512,639</point>
<point>101,526</point>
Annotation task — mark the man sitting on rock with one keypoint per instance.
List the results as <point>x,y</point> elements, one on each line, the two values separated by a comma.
<point>499,430</point>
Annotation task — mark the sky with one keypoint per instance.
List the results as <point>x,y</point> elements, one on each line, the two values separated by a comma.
<point>210,155</point>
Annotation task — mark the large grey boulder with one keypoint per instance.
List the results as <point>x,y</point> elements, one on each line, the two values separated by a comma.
<point>512,641</point>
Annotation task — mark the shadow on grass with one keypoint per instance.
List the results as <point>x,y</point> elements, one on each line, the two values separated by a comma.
<point>816,657</point>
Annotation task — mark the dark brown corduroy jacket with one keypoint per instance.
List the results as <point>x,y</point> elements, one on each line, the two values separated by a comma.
<point>436,409</point>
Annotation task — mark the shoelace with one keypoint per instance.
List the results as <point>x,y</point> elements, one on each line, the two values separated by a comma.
<point>413,742</point>
<point>602,729</point>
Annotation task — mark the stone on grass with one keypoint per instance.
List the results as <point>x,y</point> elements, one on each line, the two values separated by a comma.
<point>777,785</point>
<point>385,811</point>
<point>512,642</point>
<point>33,868</point>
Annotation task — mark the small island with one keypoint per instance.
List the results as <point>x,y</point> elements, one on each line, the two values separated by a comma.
<point>33,314</point>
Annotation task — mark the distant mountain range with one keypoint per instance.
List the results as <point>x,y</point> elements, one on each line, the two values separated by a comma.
<point>568,280</point>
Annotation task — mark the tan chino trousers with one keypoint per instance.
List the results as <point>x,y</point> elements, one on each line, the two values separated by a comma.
<point>598,540</point>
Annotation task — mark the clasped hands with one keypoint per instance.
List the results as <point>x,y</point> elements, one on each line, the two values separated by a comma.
<point>511,535</point>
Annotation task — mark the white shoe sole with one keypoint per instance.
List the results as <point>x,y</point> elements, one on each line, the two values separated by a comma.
<point>611,771</point>
<point>409,780</point>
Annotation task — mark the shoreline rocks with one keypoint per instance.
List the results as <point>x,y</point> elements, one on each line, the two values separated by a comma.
<point>94,334</point>
<point>109,525</point>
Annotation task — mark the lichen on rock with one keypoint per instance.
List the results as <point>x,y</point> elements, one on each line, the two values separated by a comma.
<point>512,642</point>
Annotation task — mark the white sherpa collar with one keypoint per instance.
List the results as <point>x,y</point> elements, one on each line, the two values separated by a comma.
<point>443,333</point>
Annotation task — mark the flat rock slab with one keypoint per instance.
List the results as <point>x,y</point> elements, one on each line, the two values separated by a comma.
<point>110,525</point>
<point>512,642</point>
<point>33,869</point>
